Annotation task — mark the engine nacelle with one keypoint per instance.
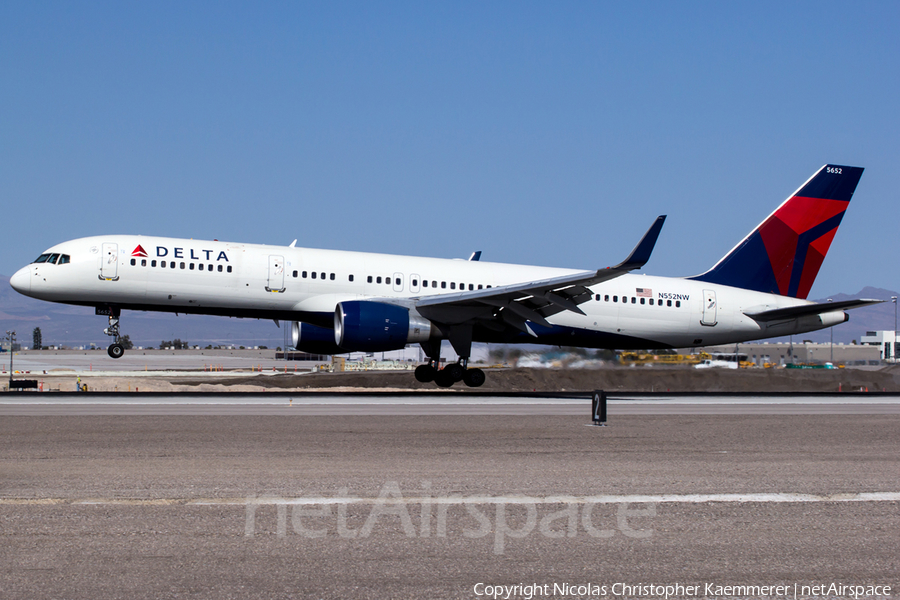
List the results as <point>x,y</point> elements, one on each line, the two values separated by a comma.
<point>365,326</point>
<point>313,339</point>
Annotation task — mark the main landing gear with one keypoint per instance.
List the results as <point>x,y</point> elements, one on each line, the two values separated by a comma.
<point>116,349</point>
<point>450,374</point>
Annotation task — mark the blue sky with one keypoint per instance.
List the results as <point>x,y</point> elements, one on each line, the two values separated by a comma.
<point>540,133</point>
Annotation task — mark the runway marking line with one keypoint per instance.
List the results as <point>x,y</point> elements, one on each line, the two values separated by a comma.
<point>602,499</point>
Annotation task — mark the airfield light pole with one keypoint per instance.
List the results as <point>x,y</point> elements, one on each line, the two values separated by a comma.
<point>11,336</point>
<point>894,347</point>
<point>832,341</point>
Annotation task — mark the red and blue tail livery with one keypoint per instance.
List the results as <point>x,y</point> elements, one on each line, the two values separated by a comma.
<point>783,254</point>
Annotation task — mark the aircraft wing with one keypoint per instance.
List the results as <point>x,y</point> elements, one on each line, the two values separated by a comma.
<point>513,305</point>
<point>808,309</point>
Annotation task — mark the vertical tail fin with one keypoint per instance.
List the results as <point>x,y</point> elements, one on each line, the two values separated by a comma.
<point>784,253</point>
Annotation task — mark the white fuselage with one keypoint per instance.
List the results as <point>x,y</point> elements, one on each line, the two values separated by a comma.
<point>301,284</point>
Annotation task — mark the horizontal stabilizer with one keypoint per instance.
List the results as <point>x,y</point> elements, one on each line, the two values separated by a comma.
<point>808,309</point>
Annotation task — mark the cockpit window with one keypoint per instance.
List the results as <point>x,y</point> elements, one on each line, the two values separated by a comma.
<point>63,259</point>
<point>53,258</point>
<point>42,258</point>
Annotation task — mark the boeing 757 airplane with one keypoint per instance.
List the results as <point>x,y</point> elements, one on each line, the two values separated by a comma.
<point>339,302</point>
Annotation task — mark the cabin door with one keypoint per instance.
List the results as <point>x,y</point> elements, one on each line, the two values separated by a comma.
<point>109,261</point>
<point>709,308</point>
<point>276,274</point>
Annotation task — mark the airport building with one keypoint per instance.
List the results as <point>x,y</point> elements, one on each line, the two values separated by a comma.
<point>781,354</point>
<point>886,341</point>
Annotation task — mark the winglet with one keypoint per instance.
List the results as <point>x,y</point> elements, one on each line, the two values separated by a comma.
<point>641,253</point>
<point>475,255</point>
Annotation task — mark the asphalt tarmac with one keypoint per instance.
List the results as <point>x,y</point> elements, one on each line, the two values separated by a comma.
<point>295,505</point>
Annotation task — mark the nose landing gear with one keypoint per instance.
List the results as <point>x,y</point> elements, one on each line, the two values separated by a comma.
<point>116,349</point>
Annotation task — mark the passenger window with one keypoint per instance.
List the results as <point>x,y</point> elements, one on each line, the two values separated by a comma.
<point>133,262</point>
<point>490,286</point>
<point>304,274</point>
<point>351,278</point>
<point>479,286</point>
<point>378,279</point>
<point>295,274</point>
<point>313,274</point>
<point>369,279</point>
<point>171,264</point>
<point>143,262</point>
<point>452,285</point>
<point>220,268</point>
<point>182,265</point>
<point>323,275</point>
<point>332,277</point>
<point>434,284</point>
<point>471,287</point>
<point>415,282</point>
<point>192,266</point>
<point>668,303</point>
<point>397,281</point>
<point>229,268</point>
<point>642,300</point>
<point>615,298</point>
<point>651,301</point>
<point>606,298</point>
<point>152,263</point>
<point>443,285</point>
<point>678,304</point>
<point>633,300</point>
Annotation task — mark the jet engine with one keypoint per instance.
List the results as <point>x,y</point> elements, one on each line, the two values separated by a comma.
<point>365,326</point>
<point>313,339</point>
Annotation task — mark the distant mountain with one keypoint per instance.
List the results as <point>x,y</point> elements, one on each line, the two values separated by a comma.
<point>76,325</point>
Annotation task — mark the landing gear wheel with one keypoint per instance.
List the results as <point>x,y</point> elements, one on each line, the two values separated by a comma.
<point>115,350</point>
<point>474,377</point>
<point>455,371</point>
<point>425,373</point>
<point>444,379</point>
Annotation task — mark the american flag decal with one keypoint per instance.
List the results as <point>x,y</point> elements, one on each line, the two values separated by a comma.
<point>643,292</point>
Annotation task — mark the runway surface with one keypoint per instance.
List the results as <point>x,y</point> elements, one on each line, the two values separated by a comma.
<point>294,505</point>
<point>436,403</point>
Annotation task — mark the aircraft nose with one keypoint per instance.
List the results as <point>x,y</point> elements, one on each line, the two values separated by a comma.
<point>21,281</point>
